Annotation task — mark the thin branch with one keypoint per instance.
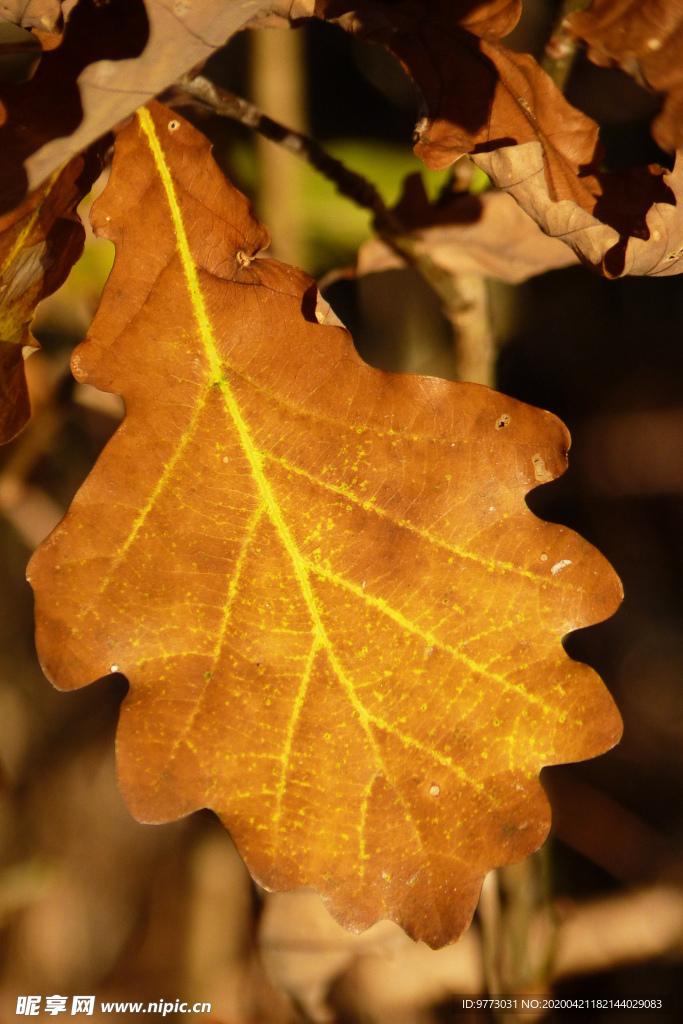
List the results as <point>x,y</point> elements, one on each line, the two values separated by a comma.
<point>278,84</point>
<point>352,185</point>
<point>561,49</point>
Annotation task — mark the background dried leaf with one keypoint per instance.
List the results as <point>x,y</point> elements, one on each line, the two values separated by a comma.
<point>42,17</point>
<point>657,252</point>
<point>646,40</point>
<point>38,117</point>
<point>114,58</point>
<point>489,235</point>
<point>479,96</point>
<point>39,243</point>
<point>297,591</point>
<point>504,110</point>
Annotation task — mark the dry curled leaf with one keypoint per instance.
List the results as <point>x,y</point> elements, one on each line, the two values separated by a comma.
<point>477,94</point>
<point>39,243</point>
<point>656,252</point>
<point>39,116</point>
<point>646,40</point>
<point>490,235</point>
<point>42,17</point>
<point>340,622</point>
<point>115,56</point>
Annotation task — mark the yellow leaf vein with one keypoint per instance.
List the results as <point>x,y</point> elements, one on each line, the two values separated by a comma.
<point>432,641</point>
<point>232,590</point>
<point>291,729</point>
<point>492,564</point>
<point>139,520</point>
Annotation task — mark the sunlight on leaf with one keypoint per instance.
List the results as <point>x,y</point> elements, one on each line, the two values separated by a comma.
<point>340,622</point>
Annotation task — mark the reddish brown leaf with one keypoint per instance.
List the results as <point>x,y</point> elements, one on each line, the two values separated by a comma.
<point>646,40</point>
<point>39,243</point>
<point>478,94</point>
<point>15,407</point>
<point>340,622</point>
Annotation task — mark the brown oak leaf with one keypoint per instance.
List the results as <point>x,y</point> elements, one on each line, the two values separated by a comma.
<point>477,94</point>
<point>340,622</point>
<point>646,40</point>
<point>39,243</point>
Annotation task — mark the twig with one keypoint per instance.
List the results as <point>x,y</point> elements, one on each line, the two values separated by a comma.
<point>489,915</point>
<point>475,351</point>
<point>560,50</point>
<point>465,308</point>
<point>352,185</point>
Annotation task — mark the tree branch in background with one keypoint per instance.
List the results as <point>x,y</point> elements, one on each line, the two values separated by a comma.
<point>464,303</point>
<point>278,84</point>
<point>350,184</point>
<point>561,48</point>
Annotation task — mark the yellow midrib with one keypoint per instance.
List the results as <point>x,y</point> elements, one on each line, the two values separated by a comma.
<point>255,461</point>
<point>216,367</point>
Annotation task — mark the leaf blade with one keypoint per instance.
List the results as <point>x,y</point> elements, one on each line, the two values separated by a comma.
<point>324,616</point>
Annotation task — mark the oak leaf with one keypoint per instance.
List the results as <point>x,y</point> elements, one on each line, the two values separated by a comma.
<point>39,243</point>
<point>489,235</point>
<point>646,40</point>
<point>340,622</point>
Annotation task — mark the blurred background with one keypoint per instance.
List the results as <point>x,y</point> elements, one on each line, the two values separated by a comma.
<point>93,902</point>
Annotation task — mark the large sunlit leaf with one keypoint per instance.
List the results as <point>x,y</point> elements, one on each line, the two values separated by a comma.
<point>340,622</point>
